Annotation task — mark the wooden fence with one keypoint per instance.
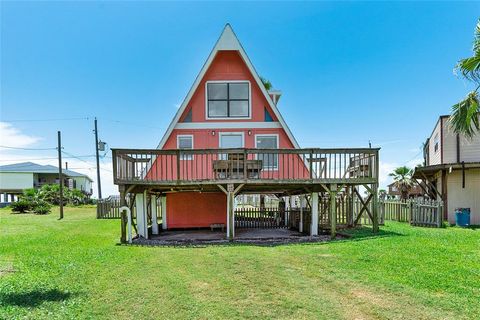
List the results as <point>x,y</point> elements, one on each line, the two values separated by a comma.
<point>348,210</point>
<point>268,218</point>
<point>109,208</point>
<point>418,212</point>
<point>347,213</point>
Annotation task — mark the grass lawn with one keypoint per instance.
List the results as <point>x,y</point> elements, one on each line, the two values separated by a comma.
<point>74,269</point>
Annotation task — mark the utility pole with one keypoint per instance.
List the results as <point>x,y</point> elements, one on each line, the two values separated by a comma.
<point>60,178</point>
<point>98,162</point>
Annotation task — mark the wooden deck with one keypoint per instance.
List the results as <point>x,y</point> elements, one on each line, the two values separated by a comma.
<point>258,170</point>
<point>283,172</point>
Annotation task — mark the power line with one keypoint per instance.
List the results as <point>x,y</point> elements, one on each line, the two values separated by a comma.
<point>32,149</point>
<point>133,123</point>
<point>43,120</point>
<point>48,158</point>
<point>78,157</point>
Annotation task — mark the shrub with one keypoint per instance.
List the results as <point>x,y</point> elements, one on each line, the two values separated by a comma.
<point>21,206</point>
<point>42,207</point>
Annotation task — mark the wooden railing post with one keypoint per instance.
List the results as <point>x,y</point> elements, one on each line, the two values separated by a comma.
<point>114,160</point>
<point>311,164</point>
<point>245,172</point>
<point>333,210</point>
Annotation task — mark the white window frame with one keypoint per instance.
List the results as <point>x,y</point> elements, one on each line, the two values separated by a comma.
<point>185,156</point>
<point>228,133</point>
<point>436,143</point>
<point>277,136</point>
<point>229,118</point>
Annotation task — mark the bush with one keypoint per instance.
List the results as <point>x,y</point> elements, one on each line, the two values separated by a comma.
<point>21,206</point>
<point>42,207</point>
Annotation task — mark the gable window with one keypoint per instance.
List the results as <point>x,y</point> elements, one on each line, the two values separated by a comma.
<point>185,142</point>
<point>228,100</point>
<point>436,142</point>
<point>267,141</point>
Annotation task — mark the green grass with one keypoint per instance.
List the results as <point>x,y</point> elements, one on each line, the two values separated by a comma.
<point>74,269</point>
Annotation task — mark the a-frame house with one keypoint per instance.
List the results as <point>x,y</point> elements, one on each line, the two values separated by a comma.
<point>226,107</point>
<point>229,137</point>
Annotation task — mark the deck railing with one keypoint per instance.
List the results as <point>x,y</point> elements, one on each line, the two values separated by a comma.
<point>134,166</point>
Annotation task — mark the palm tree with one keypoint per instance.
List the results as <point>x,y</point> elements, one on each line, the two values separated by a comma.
<point>464,118</point>
<point>403,181</point>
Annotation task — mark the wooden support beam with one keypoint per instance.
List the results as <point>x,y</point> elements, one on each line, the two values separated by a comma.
<point>123,221</point>
<point>302,204</point>
<point>431,185</point>
<point>364,206</point>
<point>333,210</point>
<point>314,222</point>
<point>375,208</point>
<point>351,206</point>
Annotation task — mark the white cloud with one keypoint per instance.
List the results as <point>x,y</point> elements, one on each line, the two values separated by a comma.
<point>385,169</point>
<point>11,136</point>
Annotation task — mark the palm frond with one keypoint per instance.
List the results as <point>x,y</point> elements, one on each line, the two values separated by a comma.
<point>464,118</point>
<point>476,41</point>
<point>469,68</point>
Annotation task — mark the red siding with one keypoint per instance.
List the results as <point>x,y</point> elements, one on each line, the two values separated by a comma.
<point>195,209</point>
<point>187,210</point>
<point>228,65</point>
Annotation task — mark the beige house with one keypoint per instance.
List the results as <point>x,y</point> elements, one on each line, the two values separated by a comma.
<point>452,170</point>
<point>14,178</point>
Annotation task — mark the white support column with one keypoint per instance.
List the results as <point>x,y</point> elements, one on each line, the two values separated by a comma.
<point>163,201</point>
<point>228,214</point>
<point>153,205</point>
<point>314,223</point>
<point>141,215</point>
<point>231,215</point>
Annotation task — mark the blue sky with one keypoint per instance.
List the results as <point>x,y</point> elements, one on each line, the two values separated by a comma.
<point>350,72</point>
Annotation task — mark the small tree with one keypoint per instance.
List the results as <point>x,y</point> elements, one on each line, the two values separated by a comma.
<point>403,181</point>
<point>266,83</point>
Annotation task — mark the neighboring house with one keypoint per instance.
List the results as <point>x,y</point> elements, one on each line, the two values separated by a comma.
<point>452,170</point>
<point>14,178</point>
<point>415,191</point>
<point>228,138</point>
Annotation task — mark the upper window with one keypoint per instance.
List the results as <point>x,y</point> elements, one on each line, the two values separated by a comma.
<point>436,142</point>
<point>228,99</point>
<point>185,142</point>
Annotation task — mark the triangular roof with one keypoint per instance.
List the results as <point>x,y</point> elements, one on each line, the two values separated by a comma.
<point>30,167</point>
<point>227,41</point>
